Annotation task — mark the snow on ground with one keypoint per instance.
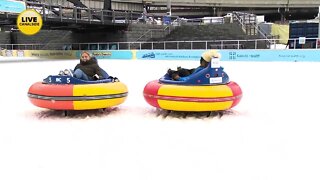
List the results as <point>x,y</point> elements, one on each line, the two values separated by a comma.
<point>273,133</point>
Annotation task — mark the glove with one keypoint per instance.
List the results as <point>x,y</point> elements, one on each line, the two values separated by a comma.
<point>96,77</point>
<point>115,79</point>
<point>170,72</point>
<point>61,73</point>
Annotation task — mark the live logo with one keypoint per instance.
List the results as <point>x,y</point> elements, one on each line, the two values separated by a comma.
<point>29,19</point>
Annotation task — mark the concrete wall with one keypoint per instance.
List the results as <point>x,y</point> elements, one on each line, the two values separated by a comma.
<point>64,37</point>
<point>80,37</point>
<point>242,3</point>
<point>305,3</point>
<point>43,37</point>
<point>5,38</point>
<point>132,5</point>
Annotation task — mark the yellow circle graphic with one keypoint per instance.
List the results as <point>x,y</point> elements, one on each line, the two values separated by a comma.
<point>29,22</point>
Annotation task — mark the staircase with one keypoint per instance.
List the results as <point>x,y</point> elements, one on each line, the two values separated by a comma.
<point>247,21</point>
<point>212,33</point>
<point>138,33</point>
<point>50,38</point>
<point>55,44</point>
<point>249,25</point>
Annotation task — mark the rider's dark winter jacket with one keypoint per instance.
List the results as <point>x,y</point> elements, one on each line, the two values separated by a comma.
<point>90,68</point>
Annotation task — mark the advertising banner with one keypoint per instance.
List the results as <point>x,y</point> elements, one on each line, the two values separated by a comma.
<point>169,54</point>
<point>50,54</point>
<point>113,54</point>
<point>292,55</point>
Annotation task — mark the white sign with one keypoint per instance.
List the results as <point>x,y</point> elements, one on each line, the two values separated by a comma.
<point>215,62</point>
<point>302,40</point>
<point>58,79</point>
<point>216,80</point>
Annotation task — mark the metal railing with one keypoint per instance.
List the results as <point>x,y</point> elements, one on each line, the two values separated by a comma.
<point>82,14</point>
<point>244,20</point>
<point>149,34</point>
<point>311,43</point>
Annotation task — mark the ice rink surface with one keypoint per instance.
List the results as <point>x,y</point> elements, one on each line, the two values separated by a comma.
<point>273,133</point>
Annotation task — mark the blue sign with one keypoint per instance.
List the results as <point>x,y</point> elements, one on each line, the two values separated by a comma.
<point>169,54</point>
<point>289,55</point>
<point>292,55</point>
<point>12,6</point>
<point>150,55</point>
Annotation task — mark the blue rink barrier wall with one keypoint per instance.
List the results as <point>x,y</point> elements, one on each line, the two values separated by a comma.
<point>288,55</point>
<point>264,55</point>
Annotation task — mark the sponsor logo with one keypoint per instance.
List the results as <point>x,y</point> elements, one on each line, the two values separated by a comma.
<point>29,22</point>
<point>101,53</point>
<point>149,55</point>
<point>232,55</point>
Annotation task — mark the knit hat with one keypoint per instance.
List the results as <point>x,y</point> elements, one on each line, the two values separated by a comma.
<point>86,52</point>
<point>208,55</point>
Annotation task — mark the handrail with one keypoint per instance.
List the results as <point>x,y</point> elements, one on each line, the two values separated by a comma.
<point>209,44</point>
<point>152,30</point>
<point>143,35</point>
<point>263,34</point>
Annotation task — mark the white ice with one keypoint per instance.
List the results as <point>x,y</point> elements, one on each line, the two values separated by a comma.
<point>273,133</point>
